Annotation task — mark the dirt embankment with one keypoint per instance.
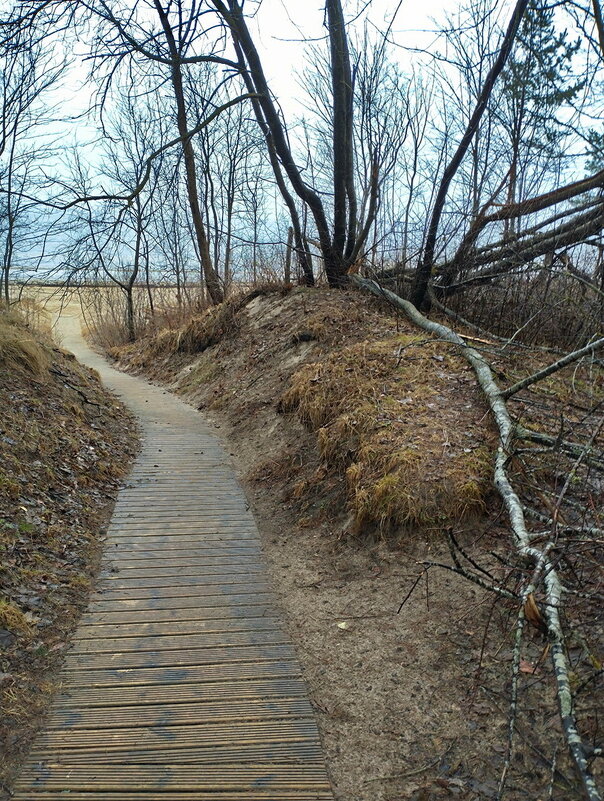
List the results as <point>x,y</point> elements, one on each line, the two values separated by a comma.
<point>64,445</point>
<point>360,441</point>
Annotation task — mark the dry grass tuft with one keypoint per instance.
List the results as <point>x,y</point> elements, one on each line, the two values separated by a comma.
<point>35,316</point>
<point>314,329</point>
<point>196,335</point>
<point>19,349</point>
<point>13,619</point>
<point>401,420</point>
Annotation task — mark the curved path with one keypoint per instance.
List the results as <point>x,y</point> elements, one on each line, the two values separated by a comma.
<point>181,682</point>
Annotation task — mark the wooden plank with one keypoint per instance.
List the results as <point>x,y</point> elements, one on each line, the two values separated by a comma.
<point>83,698</point>
<point>180,627</point>
<point>208,608</point>
<point>181,682</point>
<point>214,712</point>
<point>116,778</point>
<point>197,656</point>
<point>94,680</point>
<point>147,740</point>
<point>251,794</point>
<point>205,538</point>
<point>172,576</point>
<point>174,642</point>
<point>211,586</point>
<point>198,601</point>
<point>154,560</point>
<point>305,748</point>
<point>206,542</point>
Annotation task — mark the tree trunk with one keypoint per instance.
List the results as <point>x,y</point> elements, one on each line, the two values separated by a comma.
<point>129,288</point>
<point>288,255</point>
<point>130,313</point>
<point>148,282</point>
<point>211,277</point>
<point>424,269</point>
<point>233,16</point>
<point>8,256</point>
<point>303,253</point>
<point>341,82</point>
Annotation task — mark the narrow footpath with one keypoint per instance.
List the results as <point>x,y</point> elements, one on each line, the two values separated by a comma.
<point>181,682</point>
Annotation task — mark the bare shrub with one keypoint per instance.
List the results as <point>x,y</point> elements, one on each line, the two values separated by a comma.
<point>536,305</point>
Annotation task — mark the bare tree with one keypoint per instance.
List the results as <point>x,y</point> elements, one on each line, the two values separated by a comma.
<point>343,241</point>
<point>126,38</point>
<point>178,38</point>
<point>426,264</point>
<point>114,242</point>
<point>26,76</point>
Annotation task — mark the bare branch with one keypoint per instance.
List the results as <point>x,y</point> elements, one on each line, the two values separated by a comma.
<point>552,368</point>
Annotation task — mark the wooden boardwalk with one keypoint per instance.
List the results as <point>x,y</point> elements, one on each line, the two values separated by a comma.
<point>181,682</point>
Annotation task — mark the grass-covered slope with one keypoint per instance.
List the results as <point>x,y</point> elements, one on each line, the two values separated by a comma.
<point>64,445</point>
<point>400,428</point>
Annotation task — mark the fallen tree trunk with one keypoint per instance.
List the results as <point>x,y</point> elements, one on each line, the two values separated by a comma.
<point>503,257</point>
<point>538,555</point>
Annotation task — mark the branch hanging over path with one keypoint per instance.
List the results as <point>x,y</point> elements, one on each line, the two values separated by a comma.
<point>538,555</point>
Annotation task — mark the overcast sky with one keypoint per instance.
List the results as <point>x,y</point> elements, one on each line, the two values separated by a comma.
<point>280,26</point>
<point>279,29</point>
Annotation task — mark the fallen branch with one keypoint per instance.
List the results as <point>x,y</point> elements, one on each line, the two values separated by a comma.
<point>553,368</point>
<point>557,444</point>
<point>459,319</point>
<point>539,556</point>
<point>582,457</point>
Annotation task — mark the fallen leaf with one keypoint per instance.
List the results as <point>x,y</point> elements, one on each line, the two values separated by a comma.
<point>532,613</point>
<point>528,667</point>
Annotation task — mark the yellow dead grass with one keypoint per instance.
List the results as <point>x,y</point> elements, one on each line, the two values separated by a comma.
<point>400,420</point>
<point>13,619</point>
<point>200,332</point>
<point>35,316</point>
<point>18,347</point>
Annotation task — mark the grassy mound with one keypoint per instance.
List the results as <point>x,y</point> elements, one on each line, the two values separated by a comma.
<point>198,333</point>
<point>400,425</point>
<point>64,445</point>
<point>392,416</point>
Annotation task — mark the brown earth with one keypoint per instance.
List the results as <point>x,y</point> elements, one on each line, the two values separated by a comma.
<point>323,395</point>
<point>64,445</point>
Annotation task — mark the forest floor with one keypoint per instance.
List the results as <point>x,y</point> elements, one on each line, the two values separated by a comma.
<point>360,443</point>
<point>65,443</point>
